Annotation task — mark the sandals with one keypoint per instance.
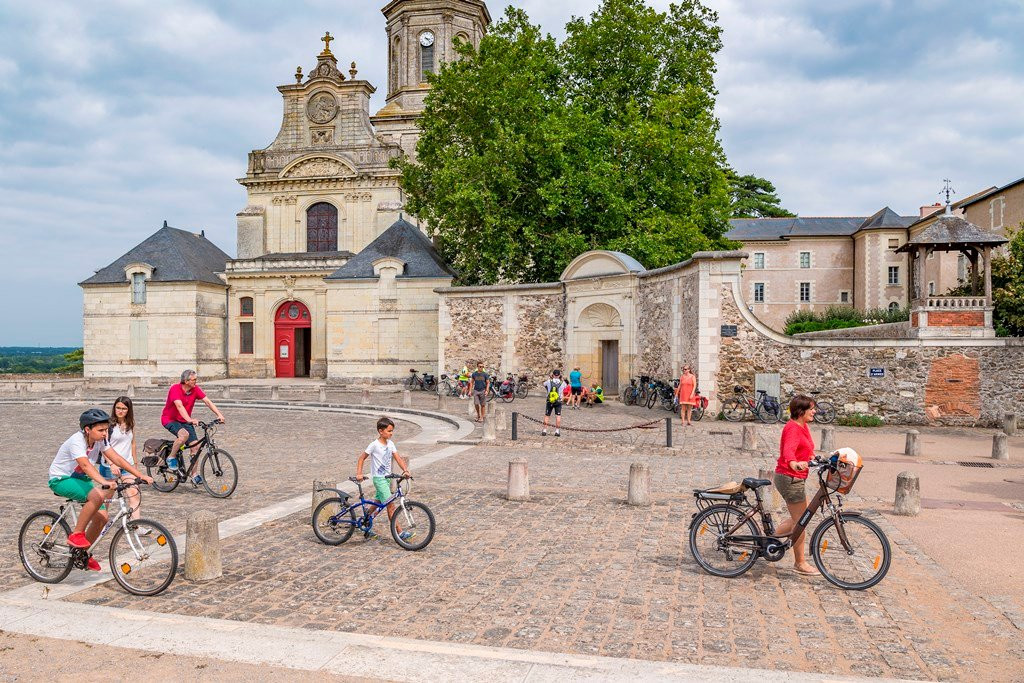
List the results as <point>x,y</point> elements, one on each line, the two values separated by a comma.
<point>804,572</point>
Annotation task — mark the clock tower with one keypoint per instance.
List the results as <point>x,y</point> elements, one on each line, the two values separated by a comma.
<point>421,37</point>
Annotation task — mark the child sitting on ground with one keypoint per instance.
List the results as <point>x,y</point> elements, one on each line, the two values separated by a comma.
<point>382,451</point>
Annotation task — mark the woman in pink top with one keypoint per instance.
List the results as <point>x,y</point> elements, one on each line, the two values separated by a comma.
<point>687,394</point>
<point>796,450</point>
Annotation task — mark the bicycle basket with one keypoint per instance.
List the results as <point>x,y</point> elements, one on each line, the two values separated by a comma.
<point>847,470</point>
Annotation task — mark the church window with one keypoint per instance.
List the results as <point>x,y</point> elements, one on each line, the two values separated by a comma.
<point>245,337</point>
<point>894,305</point>
<point>396,56</point>
<point>138,288</point>
<point>844,297</point>
<point>322,227</point>
<point>245,306</point>
<point>426,56</point>
<point>894,275</point>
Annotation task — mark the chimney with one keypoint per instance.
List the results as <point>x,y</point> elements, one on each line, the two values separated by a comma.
<point>929,210</point>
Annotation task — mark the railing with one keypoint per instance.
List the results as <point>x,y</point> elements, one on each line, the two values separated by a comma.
<point>957,302</point>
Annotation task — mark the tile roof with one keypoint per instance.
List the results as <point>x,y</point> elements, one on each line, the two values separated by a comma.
<point>175,255</point>
<point>403,241</point>
<point>762,229</point>
<point>950,230</point>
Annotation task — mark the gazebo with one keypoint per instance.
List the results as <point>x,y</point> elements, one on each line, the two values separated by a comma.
<point>952,316</point>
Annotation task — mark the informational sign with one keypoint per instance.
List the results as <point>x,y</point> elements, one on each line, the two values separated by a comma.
<point>284,350</point>
<point>729,330</point>
<point>876,372</point>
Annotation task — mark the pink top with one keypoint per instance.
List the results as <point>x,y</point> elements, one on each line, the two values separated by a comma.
<point>177,393</point>
<point>796,445</point>
<point>687,389</point>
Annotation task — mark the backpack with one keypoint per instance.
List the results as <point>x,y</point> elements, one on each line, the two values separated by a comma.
<point>555,393</point>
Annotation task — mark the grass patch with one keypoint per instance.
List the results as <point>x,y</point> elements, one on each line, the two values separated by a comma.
<point>860,420</point>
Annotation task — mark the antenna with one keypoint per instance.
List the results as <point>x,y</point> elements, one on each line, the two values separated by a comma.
<point>947,189</point>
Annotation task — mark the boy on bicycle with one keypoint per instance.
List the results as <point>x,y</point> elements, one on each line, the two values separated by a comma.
<point>382,451</point>
<point>75,468</point>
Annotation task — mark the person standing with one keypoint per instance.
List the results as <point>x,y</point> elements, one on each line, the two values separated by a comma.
<point>122,440</point>
<point>576,387</point>
<point>481,383</point>
<point>553,397</point>
<point>177,417</point>
<point>796,450</point>
<point>686,394</point>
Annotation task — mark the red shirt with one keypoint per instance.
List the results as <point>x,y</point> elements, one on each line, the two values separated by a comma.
<point>177,393</point>
<point>796,445</point>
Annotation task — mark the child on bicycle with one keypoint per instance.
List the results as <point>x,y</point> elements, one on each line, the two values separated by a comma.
<point>381,452</point>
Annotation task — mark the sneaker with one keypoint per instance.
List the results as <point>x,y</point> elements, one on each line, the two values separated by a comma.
<point>406,535</point>
<point>93,565</point>
<point>145,531</point>
<point>372,536</point>
<point>78,541</point>
<point>543,432</point>
<point>558,433</point>
<point>197,481</point>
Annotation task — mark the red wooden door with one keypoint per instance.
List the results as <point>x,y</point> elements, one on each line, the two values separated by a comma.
<point>290,316</point>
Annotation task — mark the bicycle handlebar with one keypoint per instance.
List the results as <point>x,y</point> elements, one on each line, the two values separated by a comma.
<point>389,476</point>
<point>207,425</point>
<point>122,485</point>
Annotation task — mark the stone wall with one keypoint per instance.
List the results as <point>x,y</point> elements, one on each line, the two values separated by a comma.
<point>475,333</point>
<point>655,329</point>
<point>883,331</point>
<point>540,342</point>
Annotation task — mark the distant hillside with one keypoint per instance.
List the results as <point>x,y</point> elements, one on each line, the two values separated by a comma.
<point>16,360</point>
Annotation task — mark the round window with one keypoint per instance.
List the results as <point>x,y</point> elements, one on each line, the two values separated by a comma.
<point>293,311</point>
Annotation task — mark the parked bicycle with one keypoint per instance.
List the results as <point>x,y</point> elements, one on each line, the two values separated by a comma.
<point>766,408</point>
<point>217,467</point>
<point>699,408</point>
<point>631,393</point>
<point>849,550</point>
<point>335,520</point>
<point>143,556</point>
<point>424,382</point>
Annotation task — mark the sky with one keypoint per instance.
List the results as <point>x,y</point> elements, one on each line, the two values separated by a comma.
<point>116,115</point>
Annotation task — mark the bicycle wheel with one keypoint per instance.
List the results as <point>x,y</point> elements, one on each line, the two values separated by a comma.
<point>734,409</point>
<point>43,547</point>
<point>333,522</point>
<point>652,398</point>
<point>766,415</point>
<point>826,412</point>
<point>144,559</point>
<point>417,521</point>
<point>697,413</point>
<point>522,390</point>
<point>220,475</point>
<point>707,546</point>
<point>508,396</point>
<point>164,480</point>
<point>860,567</point>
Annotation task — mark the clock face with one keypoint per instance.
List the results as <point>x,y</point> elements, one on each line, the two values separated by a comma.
<point>427,39</point>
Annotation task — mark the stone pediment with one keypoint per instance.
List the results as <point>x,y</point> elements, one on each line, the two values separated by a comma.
<point>318,167</point>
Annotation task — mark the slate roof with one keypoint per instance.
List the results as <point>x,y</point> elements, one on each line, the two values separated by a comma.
<point>631,263</point>
<point>763,229</point>
<point>991,191</point>
<point>887,218</point>
<point>403,241</point>
<point>953,230</point>
<point>176,256</point>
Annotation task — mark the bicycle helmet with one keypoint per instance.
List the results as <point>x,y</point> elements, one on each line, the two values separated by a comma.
<point>93,416</point>
<point>849,457</point>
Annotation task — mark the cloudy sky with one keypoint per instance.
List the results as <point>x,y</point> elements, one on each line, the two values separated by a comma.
<point>116,115</point>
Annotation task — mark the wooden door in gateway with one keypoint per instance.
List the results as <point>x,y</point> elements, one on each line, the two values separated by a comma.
<point>290,320</point>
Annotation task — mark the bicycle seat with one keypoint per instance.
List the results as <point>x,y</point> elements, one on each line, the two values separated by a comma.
<point>66,499</point>
<point>752,483</point>
<point>813,393</point>
<point>761,391</point>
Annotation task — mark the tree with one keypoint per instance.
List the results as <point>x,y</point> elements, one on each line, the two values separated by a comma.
<point>754,197</point>
<point>74,363</point>
<point>532,152</point>
<point>1008,287</point>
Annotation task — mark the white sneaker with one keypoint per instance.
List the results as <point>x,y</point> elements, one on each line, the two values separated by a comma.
<point>558,433</point>
<point>543,432</point>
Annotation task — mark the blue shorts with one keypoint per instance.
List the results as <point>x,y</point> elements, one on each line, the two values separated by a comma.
<point>173,428</point>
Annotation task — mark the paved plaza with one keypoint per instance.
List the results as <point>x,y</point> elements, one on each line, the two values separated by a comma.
<point>575,571</point>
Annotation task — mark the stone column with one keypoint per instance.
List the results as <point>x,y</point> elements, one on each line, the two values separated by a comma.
<point>323,394</point>
<point>319,495</point>
<point>490,429</point>
<point>366,396</point>
<point>1009,424</point>
<point>518,480</point>
<point>913,446</point>
<point>406,399</point>
<point>639,492</point>
<point>908,495</point>
<point>202,547</point>
<point>275,393</point>
<point>749,441</point>
<point>999,449</point>
<point>988,276</point>
<point>828,439</point>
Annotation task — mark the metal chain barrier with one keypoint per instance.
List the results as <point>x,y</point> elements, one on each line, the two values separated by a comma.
<point>643,425</point>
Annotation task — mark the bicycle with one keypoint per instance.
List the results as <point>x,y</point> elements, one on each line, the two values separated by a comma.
<point>143,556</point>
<point>334,519</point>
<point>825,414</point>
<point>217,468</point>
<point>631,393</point>
<point>425,383</point>
<point>766,408</point>
<point>698,409</point>
<point>860,552</point>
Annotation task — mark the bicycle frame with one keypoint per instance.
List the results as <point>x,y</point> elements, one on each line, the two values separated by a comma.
<point>69,515</point>
<point>363,504</point>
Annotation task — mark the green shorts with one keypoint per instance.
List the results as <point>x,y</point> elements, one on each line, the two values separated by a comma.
<point>790,488</point>
<point>74,488</point>
<point>383,488</point>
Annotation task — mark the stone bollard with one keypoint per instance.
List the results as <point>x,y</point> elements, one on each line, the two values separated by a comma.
<point>442,403</point>
<point>275,393</point>
<point>131,391</point>
<point>323,394</point>
<point>908,495</point>
<point>828,440</point>
<point>500,419</point>
<point>78,391</point>
<point>1009,423</point>
<point>776,501</point>
<point>226,393</point>
<point>518,479</point>
<point>490,429</point>
<point>366,397</point>
<point>202,547</point>
<point>471,407</point>
<point>749,442</point>
<point>913,446</point>
<point>999,449</point>
<point>407,399</point>
<point>319,496</point>
<point>639,492</point>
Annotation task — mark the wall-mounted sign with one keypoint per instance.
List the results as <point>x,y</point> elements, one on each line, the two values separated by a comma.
<point>729,330</point>
<point>876,372</point>
<point>284,351</point>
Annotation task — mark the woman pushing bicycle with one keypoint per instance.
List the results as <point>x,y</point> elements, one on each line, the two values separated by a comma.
<point>796,450</point>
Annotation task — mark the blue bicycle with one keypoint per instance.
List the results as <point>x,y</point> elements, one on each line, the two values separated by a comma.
<point>335,520</point>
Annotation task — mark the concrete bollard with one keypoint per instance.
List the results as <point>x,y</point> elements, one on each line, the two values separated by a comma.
<point>275,393</point>
<point>490,429</point>
<point>999,448</point>
<point>323,394</point>
<point>407,399</point>
<point>749,442</point>
<point>518,480</point>
<point>913,446</point>
<point>639,492</point>
<point>365,399</point>
<point>908,495</point>
<point>828,440</point>
<point>319,496</point>
<point>1009,423</point>
<point>202,547</point>
<point>776,501</point>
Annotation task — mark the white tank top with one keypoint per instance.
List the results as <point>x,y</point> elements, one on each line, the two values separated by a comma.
<point>122,443</point>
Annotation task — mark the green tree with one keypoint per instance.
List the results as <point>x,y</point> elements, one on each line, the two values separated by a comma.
<point>75,363</point>
<point>533,152</point>
<point>1008,287</point>
<point>753,197</point>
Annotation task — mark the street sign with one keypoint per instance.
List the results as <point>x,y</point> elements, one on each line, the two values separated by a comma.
<point>876,372</point>
<point>729,330</point>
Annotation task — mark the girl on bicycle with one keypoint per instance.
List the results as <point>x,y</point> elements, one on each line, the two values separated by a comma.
<point>122,440</point>
<point>796,450</point>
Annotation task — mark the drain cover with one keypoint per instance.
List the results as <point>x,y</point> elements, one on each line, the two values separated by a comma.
<point>974,464</point>
<point>722,433</point>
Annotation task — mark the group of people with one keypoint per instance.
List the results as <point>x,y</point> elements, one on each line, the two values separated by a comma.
<point>104,450</point>
<point>558,392</point>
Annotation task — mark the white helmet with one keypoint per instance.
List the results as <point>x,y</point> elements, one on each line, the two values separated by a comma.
<point>849,456</point>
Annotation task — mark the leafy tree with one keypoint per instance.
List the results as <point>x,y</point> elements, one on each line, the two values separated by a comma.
<point>753,197</point>
<point>533,152</point>
<point>1008,287</point>
<point>75,363</point>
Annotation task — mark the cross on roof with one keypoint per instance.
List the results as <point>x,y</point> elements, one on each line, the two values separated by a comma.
<point>327,43</point>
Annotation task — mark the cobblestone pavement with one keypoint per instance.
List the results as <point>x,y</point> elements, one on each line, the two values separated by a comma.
<point>576,570</point>
<point>278,456</point>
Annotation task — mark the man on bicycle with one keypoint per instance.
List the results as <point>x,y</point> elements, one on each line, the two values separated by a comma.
<point>76,467</point>
<point>177,417</point>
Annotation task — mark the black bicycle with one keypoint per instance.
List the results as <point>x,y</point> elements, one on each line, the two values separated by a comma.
<point>424,382</point>
<point>216,466</point>
<point>631,393</point>
<point>766,408</point>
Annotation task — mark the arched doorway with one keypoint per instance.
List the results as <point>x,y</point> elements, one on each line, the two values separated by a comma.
<point>292,340</point>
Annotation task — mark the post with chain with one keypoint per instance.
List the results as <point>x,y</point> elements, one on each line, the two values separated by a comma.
<point>668,432</point>
<point>515,426</point>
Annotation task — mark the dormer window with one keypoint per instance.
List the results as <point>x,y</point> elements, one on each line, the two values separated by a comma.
<point>138,288</point>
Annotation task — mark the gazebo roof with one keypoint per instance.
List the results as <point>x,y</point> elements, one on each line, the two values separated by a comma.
<point>951,231</point>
